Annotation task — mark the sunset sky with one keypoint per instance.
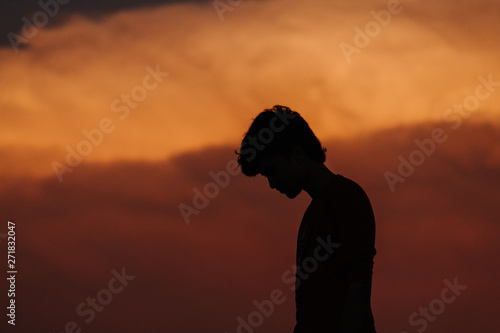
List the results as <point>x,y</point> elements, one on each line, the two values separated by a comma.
<point>113,114</point>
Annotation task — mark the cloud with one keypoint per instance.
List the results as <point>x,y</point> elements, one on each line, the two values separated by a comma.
<point>222,73</point>
<point>14,11</point>
<point>119,206</point>
<point>439,224</point>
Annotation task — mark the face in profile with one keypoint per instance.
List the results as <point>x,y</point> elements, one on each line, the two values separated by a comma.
<point>283,174</point>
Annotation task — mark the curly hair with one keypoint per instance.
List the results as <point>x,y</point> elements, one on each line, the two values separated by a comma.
<point>276,131</point>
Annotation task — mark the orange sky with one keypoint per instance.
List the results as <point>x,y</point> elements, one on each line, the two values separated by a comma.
<point>221,73</point>
<point>439,223</point>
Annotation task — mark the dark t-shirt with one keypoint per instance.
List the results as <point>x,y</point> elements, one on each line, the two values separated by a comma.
<point>335,246</point>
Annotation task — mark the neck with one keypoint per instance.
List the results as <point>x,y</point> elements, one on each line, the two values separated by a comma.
<point>318,177</point>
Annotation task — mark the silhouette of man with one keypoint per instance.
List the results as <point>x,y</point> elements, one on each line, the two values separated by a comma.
<point>335,245</point>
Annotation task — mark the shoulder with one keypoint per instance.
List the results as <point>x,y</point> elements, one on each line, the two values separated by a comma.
<point>345,187</point>
<point>348,196</point>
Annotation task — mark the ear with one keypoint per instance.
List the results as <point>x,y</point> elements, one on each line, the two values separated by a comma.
<point>298,154</point>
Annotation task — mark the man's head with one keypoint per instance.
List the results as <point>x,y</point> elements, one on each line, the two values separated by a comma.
<point>280,146</point>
